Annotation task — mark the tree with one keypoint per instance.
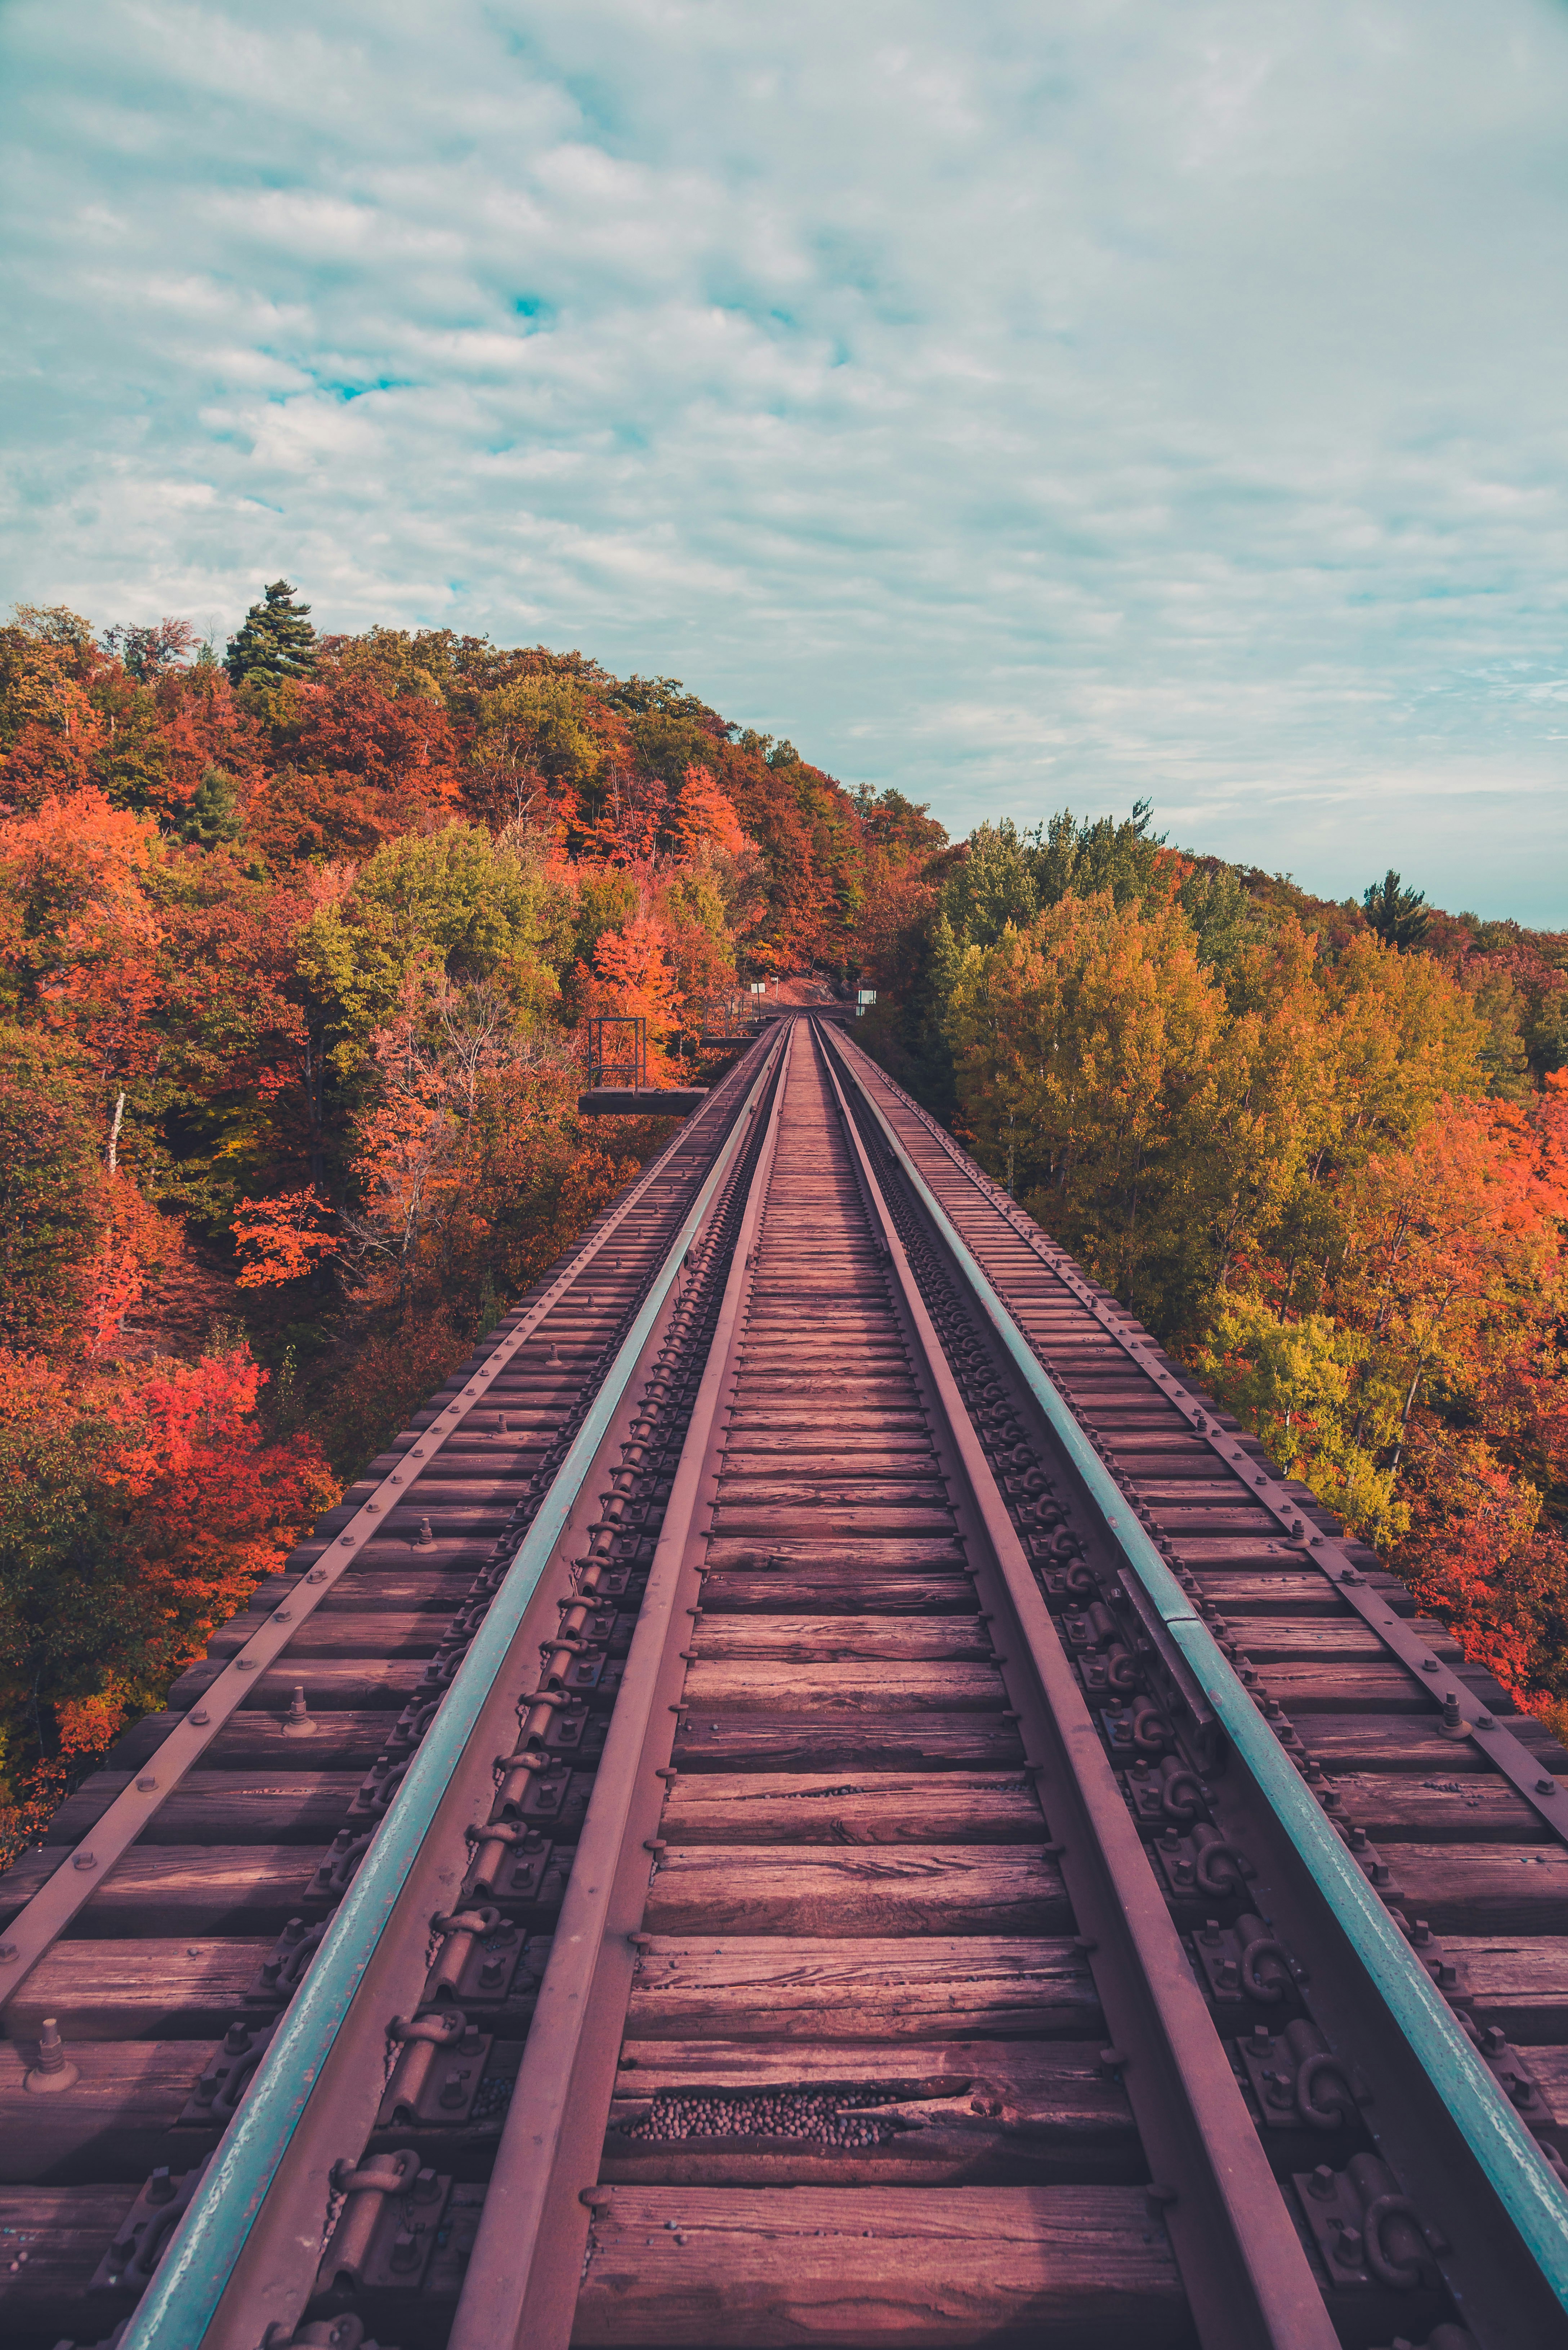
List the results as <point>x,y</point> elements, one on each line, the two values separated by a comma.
<point>145,653</point>
<point>1093,1072</point>
<point>214,813</point>
<point>275,642</point>
<point>1398,916</point>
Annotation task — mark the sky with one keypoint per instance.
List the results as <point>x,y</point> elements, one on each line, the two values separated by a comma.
<point>1028,405</point>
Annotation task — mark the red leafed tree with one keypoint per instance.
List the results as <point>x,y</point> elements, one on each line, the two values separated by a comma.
<point>282,1239</point>
<point>181,1433</point>
<point>703,817</point>
<point>354,766</point>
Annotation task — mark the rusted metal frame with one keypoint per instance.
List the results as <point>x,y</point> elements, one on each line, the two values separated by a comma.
<point>523,2275</point>
<point>1464,1713</point>
<point>1246,2275</point>
<point>83,1868</point>
<point>245,2254</point>
<point>1507,2159</point>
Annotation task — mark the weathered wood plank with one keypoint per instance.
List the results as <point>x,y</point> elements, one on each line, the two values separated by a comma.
<point>1017,2071</point>
<point>224,1807</point>
<point>780,1421</point>
<point>965,2109</point>
<point>1304,1688</point>
<point>909,1439</point>
<point>1283,1592</point>
<point>825,1989</point>
<point>345,1740</point>
<point>809,1487</point>
<point>840,1640</point>
<point>883,1807</point>
<point>736,1684</point>
<point>1270,1639</point>
<point>858,1385</point>
<point>1549,2066</point>
<point>1520,1982</point>
<point>787,1519</point>
<point>816,1591</point>
<point>1223,1554</point>
<point>376,1588</point>
<point>861,1472</point>
<point>1195,1491</point>
<point>361,1683</point>
<point>867,1890</point>
<point>211,1889</point>
<point>1398,1807</point>
<point>112,2123</point>
<point>871,1355</point>
<point>813,1549</point>
<point>869,1742</point>
<point>1238,1518</point>
<point>147,1989</point>
<point>344,1634</point>
<point>693,2266</point>
<point>65,2231</point>
<point>1345,1742</point>
<point>1497,1889</point>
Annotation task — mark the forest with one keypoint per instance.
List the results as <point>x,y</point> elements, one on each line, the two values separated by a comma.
<point>298,939</point>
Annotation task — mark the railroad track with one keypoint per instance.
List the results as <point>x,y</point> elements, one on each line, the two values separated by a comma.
<point>838,1798</point>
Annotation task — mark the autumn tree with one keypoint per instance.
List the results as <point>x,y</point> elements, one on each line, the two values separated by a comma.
<point>146,651</point>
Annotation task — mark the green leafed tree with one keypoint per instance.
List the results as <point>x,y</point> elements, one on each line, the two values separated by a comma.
<point>214,817</point>
<point>1398,916</point>
<point>277,640</point>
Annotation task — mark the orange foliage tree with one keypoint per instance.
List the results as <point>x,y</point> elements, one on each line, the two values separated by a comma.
<point>281,1034</point>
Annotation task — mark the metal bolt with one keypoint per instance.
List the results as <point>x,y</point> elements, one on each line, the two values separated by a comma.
<point>297,1722</point>
<point>51,2047</point>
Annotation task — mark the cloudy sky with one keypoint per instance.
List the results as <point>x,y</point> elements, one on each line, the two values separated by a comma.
<point>1028,403</point>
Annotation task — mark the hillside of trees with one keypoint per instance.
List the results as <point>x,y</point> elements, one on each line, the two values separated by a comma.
<point>1321,1148</point>
<point>296,942</point>
<point>295,949</point>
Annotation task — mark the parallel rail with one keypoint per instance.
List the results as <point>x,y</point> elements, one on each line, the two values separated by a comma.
<point>866,1806</point>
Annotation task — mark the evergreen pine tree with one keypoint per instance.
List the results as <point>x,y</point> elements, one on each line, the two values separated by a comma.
<point>214,815</point>
<point>277,640</point>
<point>1398,916</point>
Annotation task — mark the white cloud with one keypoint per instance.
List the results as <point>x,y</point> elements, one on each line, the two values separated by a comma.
<point>1014,405</point>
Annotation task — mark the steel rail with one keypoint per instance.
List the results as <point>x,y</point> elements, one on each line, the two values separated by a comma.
<point>524,2272</point>
<point>83,1868</point>
<point>1464,1714</point>
<point>1499,2141</point>
<point>1247,2278</point>
<point>191,2279</point>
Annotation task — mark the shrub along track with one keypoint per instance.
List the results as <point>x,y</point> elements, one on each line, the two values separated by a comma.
<point>961,1944</point>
